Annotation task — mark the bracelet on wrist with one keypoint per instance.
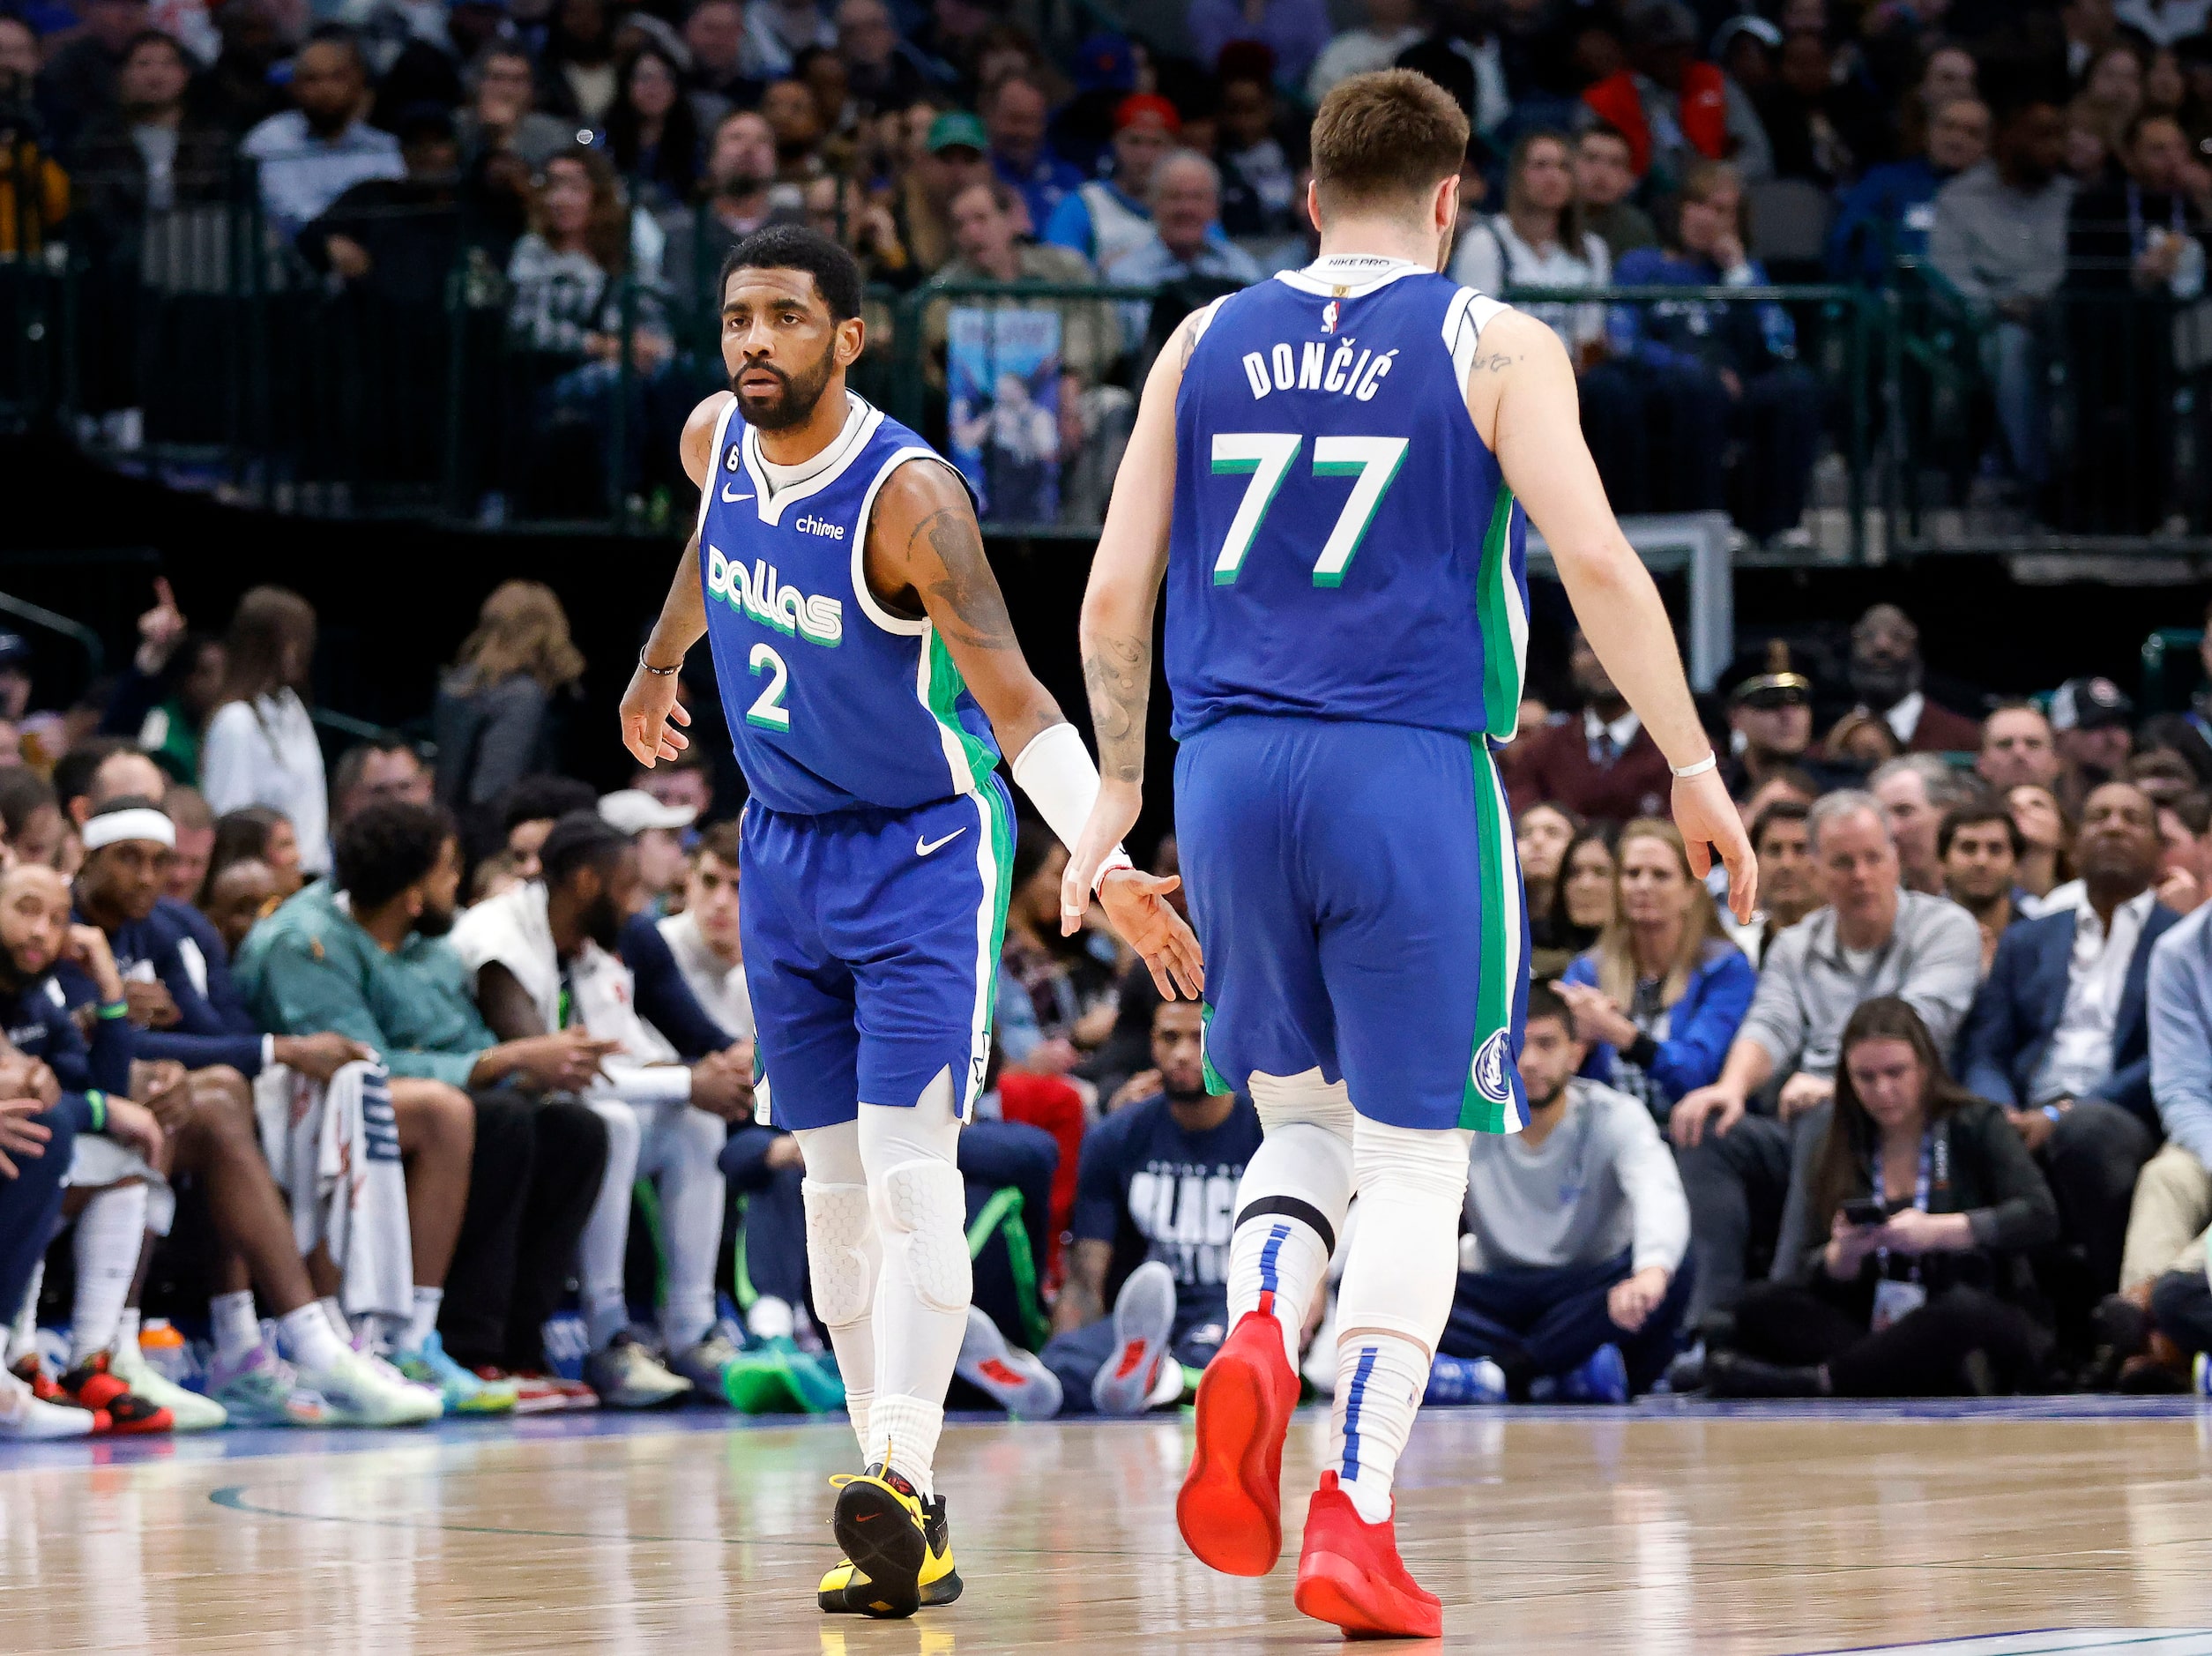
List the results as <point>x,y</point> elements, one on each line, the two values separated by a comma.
<point>112,1010</point>
<point>658,671</point>
<point>98,1102</point>
<point>1683,772</point>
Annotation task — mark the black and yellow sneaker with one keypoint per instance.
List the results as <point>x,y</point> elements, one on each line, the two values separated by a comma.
<point>898,1549</point>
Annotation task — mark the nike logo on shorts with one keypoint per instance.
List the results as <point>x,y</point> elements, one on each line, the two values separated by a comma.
<point>731,496</point>
<point>923,847</point>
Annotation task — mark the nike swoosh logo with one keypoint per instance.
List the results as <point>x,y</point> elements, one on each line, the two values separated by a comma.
<point>733,496</point>
<point>923,847</point>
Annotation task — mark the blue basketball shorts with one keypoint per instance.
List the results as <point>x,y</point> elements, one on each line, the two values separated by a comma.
<point>1355,889</point>
<point>871,950</point>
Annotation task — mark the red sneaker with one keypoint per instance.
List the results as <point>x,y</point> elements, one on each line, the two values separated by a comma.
<point>1349,1573</point>
<point>91,1386</point>
<point>1230,1508</point>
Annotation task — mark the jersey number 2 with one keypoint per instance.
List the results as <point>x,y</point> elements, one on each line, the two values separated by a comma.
<point>769,711</point>
<point>1268,456</point>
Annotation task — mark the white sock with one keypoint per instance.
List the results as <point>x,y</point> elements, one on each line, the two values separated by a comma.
<point>110,1234</point>
<point>1380,1379</point>
<point>903,1434</point>
<point>126,1330</point>
<point>424,1322</point>
<point>603,1248</point>
<point>1298,1181</point>
<point>23,1332</point>
<point>769,1318</point>
<point>237,1330</point>
<point>310,1337</point>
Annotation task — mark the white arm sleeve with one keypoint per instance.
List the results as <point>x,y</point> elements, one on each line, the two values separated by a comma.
<point>1056,772</point>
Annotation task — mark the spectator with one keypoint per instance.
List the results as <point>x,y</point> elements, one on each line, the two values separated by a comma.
<point>657,831</point>
<point>1888,213</point>
<point>168,692</point>
<point>687,781</point>
<point>237,92</point>
<point>777,31</point>
<point>398,239</point>
<point>1259,155</point>
<point>1603,764</point>
<point>1769,721</point>
<point>1915,791</point>
<point>2094,722</point>
<point>2017,748</point>
<point>986,231</point>
<point>1999,237</point>
<point>31,815</point>
<point>2175,1185</point>
<point>2185,871</point>
<point>382,768</point>
<point>839,208</point>
<point>1152,1173</point>
<point>1391,27</point>
<point>261,746</point>
<point>244,895</point>
<point>1673,109</point>
<point>740,196</point>
<point>705,939</point>
<point>78,84</point>
<point>578,79</point>
<point>364,954</point>
<point>2047,833</point>
<point>254,833</point>
<point>1582,904</point>
<point>1013,114</point>
<point>1749,350</point>
<point>652,131</point>
<point>146,156</point>
<point>1886,671</point>
<point>1573,1266</point>
<point>498,119</point>
<point>1105,218</point>
<point>312,153</point>
<point>541,957</point>
<point>1871,937</point>
<point>15,676</point>
<point>527,811</point>
<point>884,73</point>
<point>953,154</point>
<point>1461,52</point>
<point>714,35</point>
<point>1657,1000</point>
<point>1978,846</point>
<point>1604,178</point>
<point>795,118</point>
<point>1539,241</point>
<point>2111,95</point>
<point>502,705</point>
<point>1541,834</point>
<point>1186,201</point>
<point>1069,983</point>
<point>1928,1301</point>
<point>1781,838</point>
<point>2059,1036</point>
<point>195,826</point>
<point>1823,127</point>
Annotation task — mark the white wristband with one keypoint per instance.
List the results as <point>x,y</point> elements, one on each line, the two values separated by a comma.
<point>1685,772</point>
<point>1056,772</point>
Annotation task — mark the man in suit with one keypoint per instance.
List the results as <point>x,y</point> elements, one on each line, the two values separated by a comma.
<point>1886,672</point>
<point>2060,1035</point>
<point>1604,764</point>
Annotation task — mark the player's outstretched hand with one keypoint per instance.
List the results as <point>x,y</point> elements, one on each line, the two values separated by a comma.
<point>1136,905</point>
<point>1112,814</point>
<point>649,707</point>
<point>1708,823</point>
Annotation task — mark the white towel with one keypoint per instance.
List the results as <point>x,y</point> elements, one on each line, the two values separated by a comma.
<point>335,1152</point>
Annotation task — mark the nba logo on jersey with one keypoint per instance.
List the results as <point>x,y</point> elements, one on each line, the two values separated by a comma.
<point>1329,318</point>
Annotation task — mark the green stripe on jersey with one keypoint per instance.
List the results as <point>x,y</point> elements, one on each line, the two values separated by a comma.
<point>1486,1103</point>
<point>1500,662</point>
<point>1215,1085</point>
<point>945,685</point>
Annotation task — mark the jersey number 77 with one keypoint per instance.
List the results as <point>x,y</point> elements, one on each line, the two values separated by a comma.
<point>1267,457</point>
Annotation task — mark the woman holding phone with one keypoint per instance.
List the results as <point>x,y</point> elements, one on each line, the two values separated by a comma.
<point>1901,1269</point>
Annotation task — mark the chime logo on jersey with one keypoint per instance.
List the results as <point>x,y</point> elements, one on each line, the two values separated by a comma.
<point>760,594</point>
<point>1488,1070</point>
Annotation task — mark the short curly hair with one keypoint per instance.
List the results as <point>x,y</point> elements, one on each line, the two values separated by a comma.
<point>384,848</point>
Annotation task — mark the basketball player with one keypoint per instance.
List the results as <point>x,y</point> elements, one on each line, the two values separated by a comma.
<point>1331,469</point>
<point>871,679</point>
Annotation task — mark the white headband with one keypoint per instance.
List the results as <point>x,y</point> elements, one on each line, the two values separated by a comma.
<point>140,821</point>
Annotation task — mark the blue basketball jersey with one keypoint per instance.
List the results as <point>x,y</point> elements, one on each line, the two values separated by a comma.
<point>833,702</point>
<point>1343,544</point>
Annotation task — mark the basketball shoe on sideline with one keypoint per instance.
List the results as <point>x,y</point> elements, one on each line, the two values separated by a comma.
<point>261,1390</point>
<point>1143,1319</point>
<point>1012,1379</point>
<point>845,1589</point>
<point>1349,1573</point>
<point>91,1386</point>
<point>189,1411</point>
<point>25,1418</point>
<point>1230,1508</point>
<point>626,1375</point>
<point>461,1393</point>
<point>360,1390</point>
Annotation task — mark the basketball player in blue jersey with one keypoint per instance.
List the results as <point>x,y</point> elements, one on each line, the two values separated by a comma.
<point>871,679</point>
<point>1331,471</point>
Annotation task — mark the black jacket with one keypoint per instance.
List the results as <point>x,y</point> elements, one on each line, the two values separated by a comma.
<point>108,176</point>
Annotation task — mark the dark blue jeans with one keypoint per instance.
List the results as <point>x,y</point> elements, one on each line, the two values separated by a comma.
<point>30,1207</point>
<point>1545,1320</point>
<point>2181,1304</point>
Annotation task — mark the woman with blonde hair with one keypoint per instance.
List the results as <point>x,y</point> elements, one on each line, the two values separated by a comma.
<point>498,711</point>
<point>1663,991</point>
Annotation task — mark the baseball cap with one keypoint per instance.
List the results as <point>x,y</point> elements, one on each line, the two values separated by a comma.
<point>2090,704</point>
<point>957,130</point>
<point>1137,105</point>
<point>632,810</point>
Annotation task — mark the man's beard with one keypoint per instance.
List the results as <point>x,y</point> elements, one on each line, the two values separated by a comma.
<point>434,922</point>
<point>1882,685</point>
<point>739,185</point>
<point>796,404</point>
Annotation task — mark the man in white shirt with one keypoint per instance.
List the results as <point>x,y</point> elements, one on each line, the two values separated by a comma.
<point>543,957</point>
<point>1572,1266</point>
<point>704,936</point>
<point>313,154</point>
<point>2060,1034</point>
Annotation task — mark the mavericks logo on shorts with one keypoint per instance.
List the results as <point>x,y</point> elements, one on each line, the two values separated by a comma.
<point>1488,1070</point>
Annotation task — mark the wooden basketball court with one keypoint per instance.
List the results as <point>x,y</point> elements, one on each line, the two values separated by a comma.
<point>1669,1528</point>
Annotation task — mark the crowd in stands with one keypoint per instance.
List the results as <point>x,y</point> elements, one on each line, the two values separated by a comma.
<point>426,1086</point>
<point>579,168</point>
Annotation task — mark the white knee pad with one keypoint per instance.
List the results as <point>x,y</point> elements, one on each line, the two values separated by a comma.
<point>1403,1268</point>
<point>922,1209</point>
<point>1282,1099</point>
<point>841,1250</point>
